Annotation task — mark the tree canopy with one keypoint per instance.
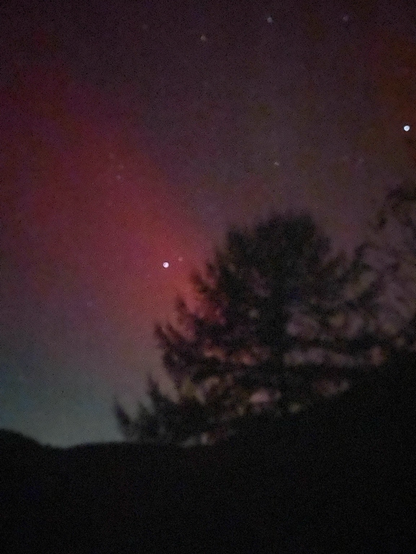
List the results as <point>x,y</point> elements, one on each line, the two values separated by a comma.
<point>278,321</point>
<point>391,252</point>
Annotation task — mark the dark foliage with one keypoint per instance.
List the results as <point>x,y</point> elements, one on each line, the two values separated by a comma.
<point>165,421</point>
<point>276,310</point>
<point>391,251</point>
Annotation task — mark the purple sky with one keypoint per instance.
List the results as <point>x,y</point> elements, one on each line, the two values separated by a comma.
<point>134,133</point>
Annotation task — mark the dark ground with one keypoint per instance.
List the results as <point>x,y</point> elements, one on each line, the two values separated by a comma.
<point>338,479</point>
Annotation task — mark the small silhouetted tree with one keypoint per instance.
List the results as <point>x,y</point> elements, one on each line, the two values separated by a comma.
<point>163,420</point>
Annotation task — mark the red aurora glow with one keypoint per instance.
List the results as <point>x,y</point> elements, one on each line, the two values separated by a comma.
<point>85,209</point>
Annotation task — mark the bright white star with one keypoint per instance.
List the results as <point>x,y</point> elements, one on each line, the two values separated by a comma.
<point>406,128</point>
<point>165,265</point>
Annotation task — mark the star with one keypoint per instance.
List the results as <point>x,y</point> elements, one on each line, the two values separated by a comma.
<point>269,19</point>
<point>165,265</point>
<point>406,128</point>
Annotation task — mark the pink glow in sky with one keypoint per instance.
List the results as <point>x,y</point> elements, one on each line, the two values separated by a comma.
<point>93,221</point>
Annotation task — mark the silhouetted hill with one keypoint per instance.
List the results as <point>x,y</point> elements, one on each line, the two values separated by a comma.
<point>10,438</point>
<point>338,479</point>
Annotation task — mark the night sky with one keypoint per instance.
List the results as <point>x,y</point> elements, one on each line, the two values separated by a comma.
<point>134,132</point>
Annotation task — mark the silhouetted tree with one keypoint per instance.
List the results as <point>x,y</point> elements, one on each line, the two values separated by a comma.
<point>391,251</point>
<point>275,309</point>
<point>164,421</point>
